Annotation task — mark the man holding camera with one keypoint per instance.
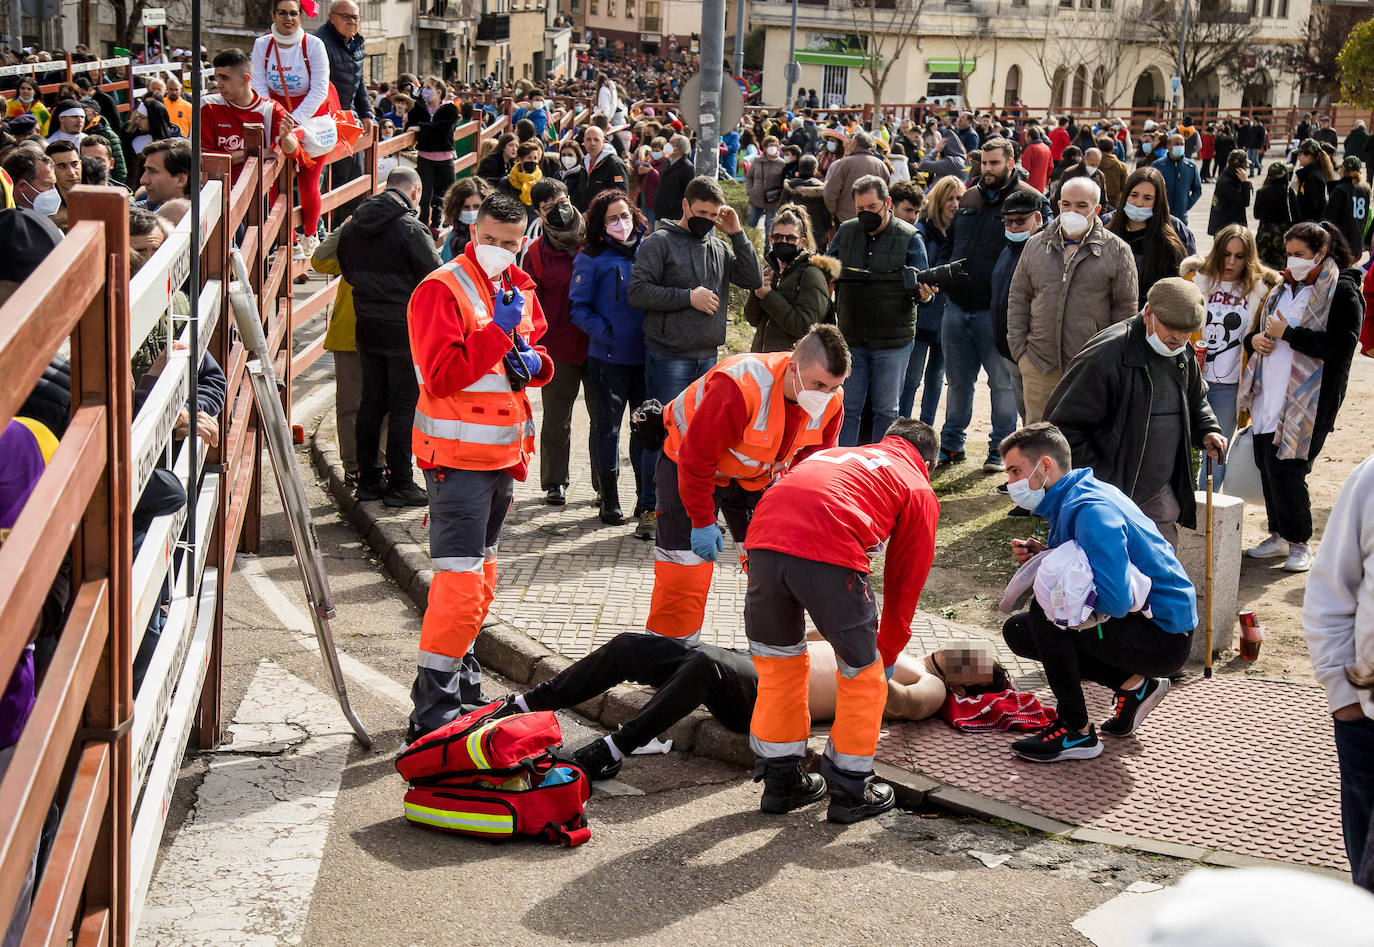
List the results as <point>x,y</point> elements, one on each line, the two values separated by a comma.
<point>1075,278</point>
<point>877,313</point>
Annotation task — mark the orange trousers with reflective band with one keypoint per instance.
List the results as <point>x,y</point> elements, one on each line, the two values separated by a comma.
<point>677,607</point>
<point>782,720</point>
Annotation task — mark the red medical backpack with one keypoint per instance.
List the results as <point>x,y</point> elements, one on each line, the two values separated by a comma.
<point>496,779</point>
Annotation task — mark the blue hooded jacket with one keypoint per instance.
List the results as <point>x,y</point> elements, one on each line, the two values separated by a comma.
<point>600,284</point>
<point>1115,534</point>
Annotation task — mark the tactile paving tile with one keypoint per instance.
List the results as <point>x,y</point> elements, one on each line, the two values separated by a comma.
<point>1243,766</point>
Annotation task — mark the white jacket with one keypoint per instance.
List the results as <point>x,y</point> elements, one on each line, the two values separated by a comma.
<point>304,73</point>
<point>1063,582</point>
<point>1338,612</point>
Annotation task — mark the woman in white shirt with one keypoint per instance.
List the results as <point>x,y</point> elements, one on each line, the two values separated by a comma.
<point>292,67</point>
<point>1294,384</point>
<point>1233,284</point>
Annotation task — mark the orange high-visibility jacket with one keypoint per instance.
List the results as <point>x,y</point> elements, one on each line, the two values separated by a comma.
<point>760,454</point>
<point>485,426</point>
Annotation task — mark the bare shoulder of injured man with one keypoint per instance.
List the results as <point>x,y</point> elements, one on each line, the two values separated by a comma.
<point>918,685</point>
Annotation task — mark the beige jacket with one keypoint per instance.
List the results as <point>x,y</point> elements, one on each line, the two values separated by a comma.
<point>841,176</point>
<point>1054,308</point>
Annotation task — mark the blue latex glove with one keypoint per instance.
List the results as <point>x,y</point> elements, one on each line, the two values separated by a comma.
<point>507,315</point>
<point>526,355</point>
<point>707,541</point>
<point>887,671</point>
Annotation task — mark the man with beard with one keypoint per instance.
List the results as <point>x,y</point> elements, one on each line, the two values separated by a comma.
<point>966,332</point>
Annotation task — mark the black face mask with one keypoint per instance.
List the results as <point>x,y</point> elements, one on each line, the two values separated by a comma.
<point>784,253</point>
<point>700,226</point>
<point>528,166</point>
<point>869,221</point>
<point>560,216</point>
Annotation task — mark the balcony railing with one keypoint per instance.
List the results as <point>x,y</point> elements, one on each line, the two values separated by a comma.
<point>494,28</point>
<point>652,24</point>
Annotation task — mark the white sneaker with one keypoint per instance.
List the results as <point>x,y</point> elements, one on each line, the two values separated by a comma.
<point>1299,558</point>
<point>1272,548</point>
<point>306,246</point>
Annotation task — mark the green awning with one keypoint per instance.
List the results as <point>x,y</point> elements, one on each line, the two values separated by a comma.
<point>815,58</point>
<point>951,65</point>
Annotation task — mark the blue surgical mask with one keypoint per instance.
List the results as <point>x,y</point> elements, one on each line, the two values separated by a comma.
<point>1176,151</point>
<point>1026,496</point>
<point>1015,237</point>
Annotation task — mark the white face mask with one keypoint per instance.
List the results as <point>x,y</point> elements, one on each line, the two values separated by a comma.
<point>1138,214</point>
<point>568,161</point>
<point>772,151</point>
<point>1026,496</point>
<point>493,260</point>
<point>1299,268</point>
<point>1073,224</point>
<point>812,402</point>
<point>468,217</point>
<point>668,151</point>
<point>1158,345</point>
<point>47,202</point>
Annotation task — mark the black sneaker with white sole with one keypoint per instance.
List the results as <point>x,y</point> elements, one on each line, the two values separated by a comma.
<point>1133,705</point>
<point>1057,742</point>
<point>596,760</point>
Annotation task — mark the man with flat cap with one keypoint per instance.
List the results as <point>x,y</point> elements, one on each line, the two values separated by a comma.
<point>1132,405</point>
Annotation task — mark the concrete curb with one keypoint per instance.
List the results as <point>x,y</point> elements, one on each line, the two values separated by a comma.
<point>513,654</point>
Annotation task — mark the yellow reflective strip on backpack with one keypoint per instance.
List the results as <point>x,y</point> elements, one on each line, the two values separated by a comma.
<point>489,823</point>
<point>474,742</point>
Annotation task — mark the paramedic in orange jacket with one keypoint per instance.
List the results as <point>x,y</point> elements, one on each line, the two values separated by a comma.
<point>729,434</point>
<point>471,325</point>
<point>810,546</point>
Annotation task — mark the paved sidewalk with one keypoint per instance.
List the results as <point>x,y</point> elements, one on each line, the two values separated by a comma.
<point>1224,770</point>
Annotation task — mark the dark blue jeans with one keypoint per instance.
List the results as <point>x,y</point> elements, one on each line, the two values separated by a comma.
<point>926,367</point>
<point>1355,752</point>
<point>875,375</point>
<point>665,376</point>
<point>618,387</point>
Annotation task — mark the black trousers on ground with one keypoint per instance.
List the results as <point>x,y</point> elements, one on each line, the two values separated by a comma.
<point>389,391</point>
<point>1108,655</point>
<point>1286,500</point>
<point>687,678</point>
<point>435,177</point>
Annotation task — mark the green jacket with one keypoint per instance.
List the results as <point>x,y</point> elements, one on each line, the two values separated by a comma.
<point>800,299</point>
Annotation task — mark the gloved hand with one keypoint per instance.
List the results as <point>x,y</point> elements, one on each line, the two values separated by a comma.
<point>507,315</point>
<point>888,671</point>
<point>523,354</point>
<point>707,541</point>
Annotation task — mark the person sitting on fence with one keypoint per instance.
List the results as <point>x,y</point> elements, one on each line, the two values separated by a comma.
<point>224,114</point>
<point>292,67</point>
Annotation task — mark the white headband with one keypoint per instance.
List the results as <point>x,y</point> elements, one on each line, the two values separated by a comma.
<point>68,113</point>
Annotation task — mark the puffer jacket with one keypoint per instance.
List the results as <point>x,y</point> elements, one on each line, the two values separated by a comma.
<point>840,177</point>
<point>809,194</point>
<point>384,251</point>
<point>1054,309</point>
<point>763,176</point>
<point>670,264</point>
<point>800,299</point>
<point>601,305</point>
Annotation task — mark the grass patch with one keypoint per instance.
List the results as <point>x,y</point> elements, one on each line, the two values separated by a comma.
<point>738,333</point>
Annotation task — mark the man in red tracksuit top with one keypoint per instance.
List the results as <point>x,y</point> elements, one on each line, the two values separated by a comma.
<point>810,544</point>
<point>471,325</point>
<point>224,114</point>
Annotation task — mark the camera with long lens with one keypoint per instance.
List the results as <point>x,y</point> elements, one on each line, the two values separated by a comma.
<point>948,274</point>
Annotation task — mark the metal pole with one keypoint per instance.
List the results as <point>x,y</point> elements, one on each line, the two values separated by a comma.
<point>1182,48</point>
<point>193,439</point>
<point>791,55</point>
<point>17,27</point>
<point>712,70</point>
<point>739,37</point>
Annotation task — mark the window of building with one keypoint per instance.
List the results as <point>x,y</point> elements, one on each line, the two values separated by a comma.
<point>1067,4</point>
<point>376,68</point>
<point>610,8</point>
<point>1283,9</point>
<point>629,9</point>
<point>1268,7</point>
<point>942,85</point>
<point>594,8</point>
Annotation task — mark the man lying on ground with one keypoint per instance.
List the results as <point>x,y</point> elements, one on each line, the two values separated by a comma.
<point>720,679</point>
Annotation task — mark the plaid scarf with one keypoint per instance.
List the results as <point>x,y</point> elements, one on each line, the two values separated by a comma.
<point>1293,437</point>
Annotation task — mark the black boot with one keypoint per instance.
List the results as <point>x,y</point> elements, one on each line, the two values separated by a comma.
<point>611,513</point>
<point>846,808</point>
<point>786,786</point>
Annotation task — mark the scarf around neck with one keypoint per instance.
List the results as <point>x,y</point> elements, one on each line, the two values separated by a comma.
<point>284,40</point>
<point>522,182</point>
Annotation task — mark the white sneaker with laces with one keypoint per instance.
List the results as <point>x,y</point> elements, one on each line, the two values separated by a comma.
<point>1299,558</point>
<point>306,247</point>
<point>1272,548</point>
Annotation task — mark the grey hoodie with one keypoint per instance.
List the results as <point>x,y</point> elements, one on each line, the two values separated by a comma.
<point>669,265</point>
<point>953,161</point>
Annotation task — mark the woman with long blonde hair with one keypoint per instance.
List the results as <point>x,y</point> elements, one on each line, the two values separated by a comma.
<point>926,368</point>
<point>1233,283</point>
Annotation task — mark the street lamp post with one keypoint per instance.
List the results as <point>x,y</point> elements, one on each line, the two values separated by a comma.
<point>791,56</point>
<point>1182,49</point>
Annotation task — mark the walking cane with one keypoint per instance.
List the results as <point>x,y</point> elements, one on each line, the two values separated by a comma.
<point>1207,581</point>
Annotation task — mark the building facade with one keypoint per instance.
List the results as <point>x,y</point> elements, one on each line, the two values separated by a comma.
<point>1082,55</point>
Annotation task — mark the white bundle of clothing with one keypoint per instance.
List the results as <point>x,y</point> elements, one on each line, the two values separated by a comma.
<point>1062,581</point>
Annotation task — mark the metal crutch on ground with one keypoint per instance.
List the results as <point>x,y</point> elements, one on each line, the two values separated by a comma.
<point>1207,576</point>
<point>309,560</point>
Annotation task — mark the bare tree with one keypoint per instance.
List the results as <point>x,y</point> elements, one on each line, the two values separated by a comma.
<point>1102,41</point>
<point>886,26</point>
<point>128,21</point>
<point>1327,30</point>
<point>969,47</point>
<point>1216,40</point>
